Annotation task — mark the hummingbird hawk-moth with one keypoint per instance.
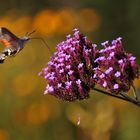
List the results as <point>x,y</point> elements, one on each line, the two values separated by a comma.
<point>13,44</point>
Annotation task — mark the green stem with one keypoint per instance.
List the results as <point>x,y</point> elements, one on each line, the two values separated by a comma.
<point>122,97</point>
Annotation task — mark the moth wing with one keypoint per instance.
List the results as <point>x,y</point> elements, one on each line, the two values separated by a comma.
<point>7,36</point>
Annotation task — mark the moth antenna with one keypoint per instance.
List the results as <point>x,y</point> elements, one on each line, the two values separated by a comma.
<point>44,43</point>
<point>28,34</point>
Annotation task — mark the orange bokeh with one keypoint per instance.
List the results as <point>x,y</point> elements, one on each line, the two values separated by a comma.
<point>50,21</point>
<point>4,135</point>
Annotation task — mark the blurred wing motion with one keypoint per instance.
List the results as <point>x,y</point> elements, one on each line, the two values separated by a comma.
<point>12,43</point>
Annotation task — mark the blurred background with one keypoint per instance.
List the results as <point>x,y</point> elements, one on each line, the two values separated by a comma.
<point>25,112</point>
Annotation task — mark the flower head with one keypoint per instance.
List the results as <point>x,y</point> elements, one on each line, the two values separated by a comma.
<point>119,68</point>
<point>77,66</point>
<point>72,67</point>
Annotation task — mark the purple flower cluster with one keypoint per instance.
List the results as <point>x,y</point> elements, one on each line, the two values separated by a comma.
<point>116,69</point>
<point>77,66</point>
<point>70,73</point>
